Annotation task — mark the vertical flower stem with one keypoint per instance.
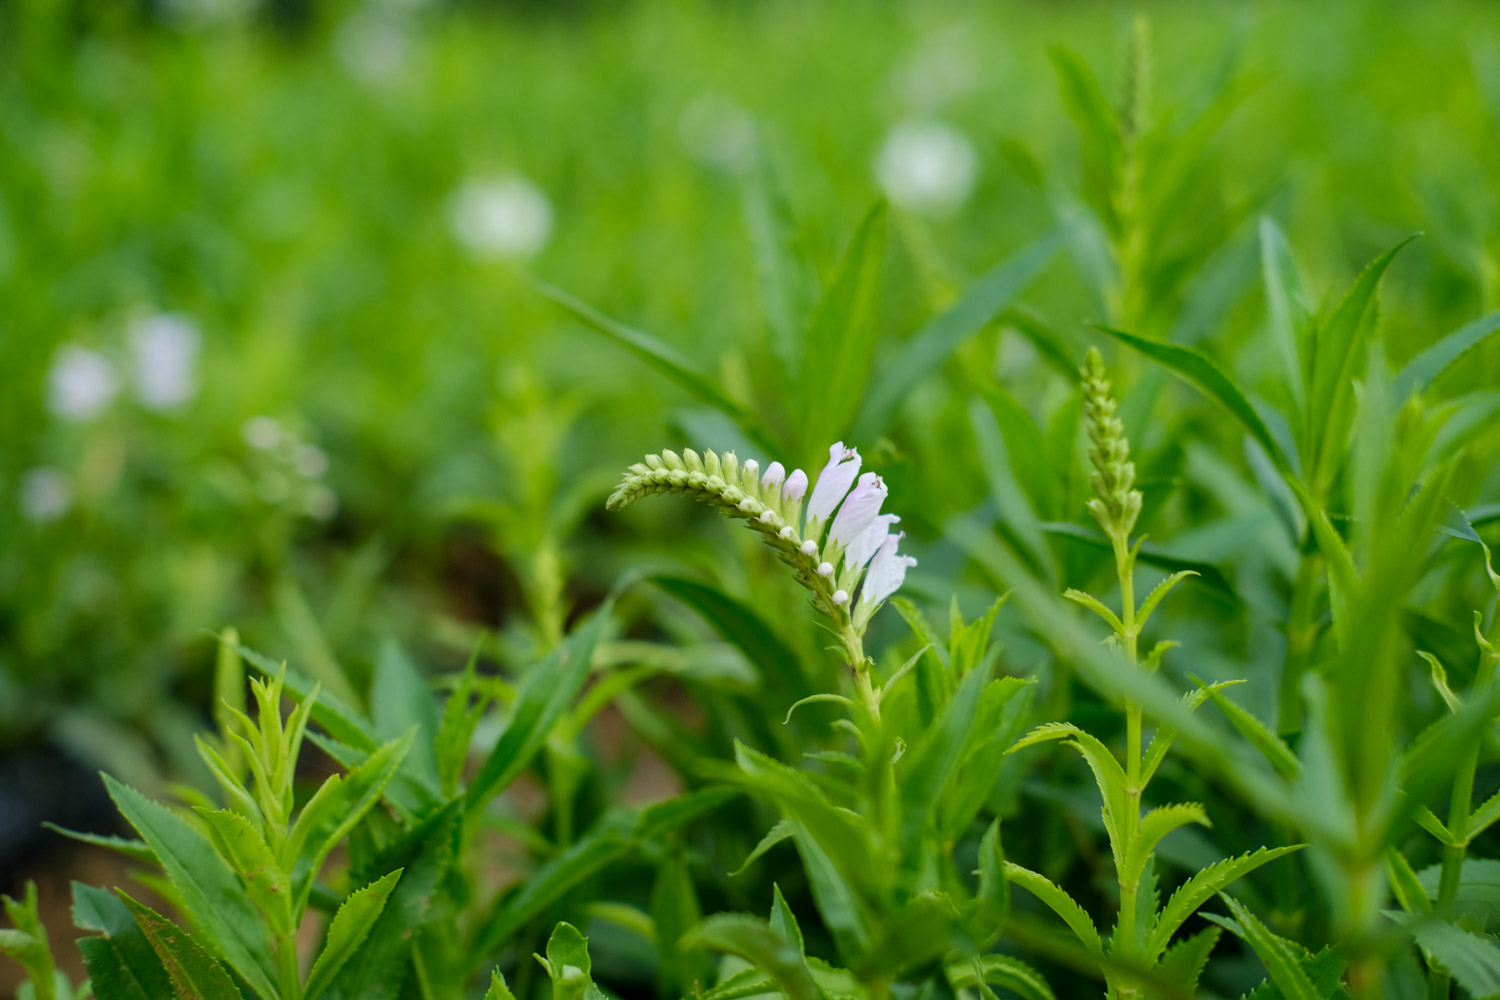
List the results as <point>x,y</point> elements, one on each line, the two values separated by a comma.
<point>1125,567</point>
<point>854,652</point>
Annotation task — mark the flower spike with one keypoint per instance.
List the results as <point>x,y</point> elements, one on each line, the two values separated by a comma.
<point>859,535</point>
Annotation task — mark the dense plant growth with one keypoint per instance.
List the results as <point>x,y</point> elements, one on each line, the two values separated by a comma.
<point>1018,673</point>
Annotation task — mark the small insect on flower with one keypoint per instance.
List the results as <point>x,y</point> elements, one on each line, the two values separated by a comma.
<point>858,534</point>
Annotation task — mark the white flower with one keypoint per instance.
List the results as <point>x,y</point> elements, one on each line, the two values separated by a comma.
<point>775,473</point>
<point>373,46</point>
<point>825,569</point>
<point>887,573</point>
<point>164,350</point>
<point>502,217</point>
<point>841,597</point>
<point>927,167</point>
<point>45,494</point>
<point>81,383</point>
<point>869,541</point>
<point>858,511</point>
<point>321,503</point>
<point>718,132</point>
<point>261,433</point>
<point>833,482</point>
<point>796,486</point>
<point>310,461</point>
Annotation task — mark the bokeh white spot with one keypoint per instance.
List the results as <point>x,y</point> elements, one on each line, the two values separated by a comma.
<point>164,351</point>
<point>81,384</point>
<point>45,494</point>
<point>501,217</point>
<point>928,167</point>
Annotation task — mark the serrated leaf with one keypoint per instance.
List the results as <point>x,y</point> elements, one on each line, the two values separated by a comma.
<point>1158,592</point>
<point>1473,960</point>
<point>1005,971</point>
<point>1421,371</point>
<point>212,893</point>
<point>1280,956</point>
<point>350,927</point>
<point>378,969</point>
<point>1097,606</point>
<point>1058,902</point>
<point>1202,887</point>
<point>498,989</point>
<point>1203,375</point>
<point>1405,885</point>
<point>1153,826</point>
<point>195,975</point>
<point>1108,774</point>
<point>242,845</point>
<point>1183,962</point>
<point>1270,745</point>
<point>342,721</point>
<point>121,963</point>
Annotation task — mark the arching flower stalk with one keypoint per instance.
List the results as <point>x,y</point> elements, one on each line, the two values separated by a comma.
<point>840,546</point>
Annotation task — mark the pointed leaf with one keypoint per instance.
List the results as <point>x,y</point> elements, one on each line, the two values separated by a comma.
<point>194,973</point>
<point>350,927</point>
<point>1202,887</point>
<point>1059,902</point>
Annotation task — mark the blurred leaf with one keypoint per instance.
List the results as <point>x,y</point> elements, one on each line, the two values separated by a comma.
<point>569,966</point>
<point>777,664</point>
<point>1290,965</point>
<point>788,285</point>
<point>399,701</point>
<point>329,711</point>
<point>1202,375</point>
<point>840,340</point>
<point>1208,574</point>
<point>935,343</point>
<point>1421,371</point>
<point>1005,971</point>
<point>753,940</point>
<point>1473,960</point>
<point>666,360</point>
<point>548,689</point>
<point>1335,354</point>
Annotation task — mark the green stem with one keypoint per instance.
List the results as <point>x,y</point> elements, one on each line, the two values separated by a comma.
<point>1125,567</point>
<point>1459,807</point>
<point>1301,635</point>
<point>854,652</point>
<point>286,960</point>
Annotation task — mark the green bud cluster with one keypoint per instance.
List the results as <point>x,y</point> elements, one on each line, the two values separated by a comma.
<point>1115,505</point>
<point>736,490</point>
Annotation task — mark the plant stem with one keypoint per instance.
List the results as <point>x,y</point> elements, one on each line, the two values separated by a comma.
<point>854,652</point>
<point>1301,634</point>
<point>1459,806</point>
<point>286,959</point>
<point>1125,567</point>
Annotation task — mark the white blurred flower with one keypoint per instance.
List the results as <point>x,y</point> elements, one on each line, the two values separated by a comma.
<point>321,503</point>
<point>261,433</point>
<point>927,166</point>
<point>501,217</point>
<point>373,46</point>
<point>81,383</point>
<point>718,132</point>
<point>310,461</point>
<point>45,494</point>
<point>164,349</point>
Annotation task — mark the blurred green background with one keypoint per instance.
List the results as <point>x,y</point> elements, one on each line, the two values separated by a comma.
<point>272,354</point>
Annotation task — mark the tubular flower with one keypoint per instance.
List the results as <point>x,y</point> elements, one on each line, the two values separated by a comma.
<point>772,505</point>
<point>833,483</point>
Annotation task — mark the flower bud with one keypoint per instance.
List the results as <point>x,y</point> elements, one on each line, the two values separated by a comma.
<point>841,597</point>
<point>796,486</point>
<point>825,569</point>
<point>775,473</point>
<point>809,547</point>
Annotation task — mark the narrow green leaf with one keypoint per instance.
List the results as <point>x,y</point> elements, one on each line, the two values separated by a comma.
<point>194,973</point>
<point>1153,826</point>
<point>778,833</point>
<point>1286,302</point>
<point>1474,961</point>
<point>935,343</point>
<point>498,989</point>
<point>1211,575</point>
<point>739,624</point>
<point>212,893</point>
<point>1270,745</point>
<point>378,969</point>
<point>1108,774</point>
<point>1405,885</point>
<point>1184,961</point>
<point>787,283</point>
<point>1097,606</point>
<point>1281,957</point>
<point>1202,887</point>
<point>1158,592</point>
<point>1424,369</point>
<point>754,941</point>
<point>350,927</point>
<point>1059,902</point>
<point>840,340</point>
<point>121,963</point>
<point>666,360</point>
<point>549,688</point>
<point>1005,971</point>
<point>1335,356</point>
<point>242,845</point>
<point>1203,375</point>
